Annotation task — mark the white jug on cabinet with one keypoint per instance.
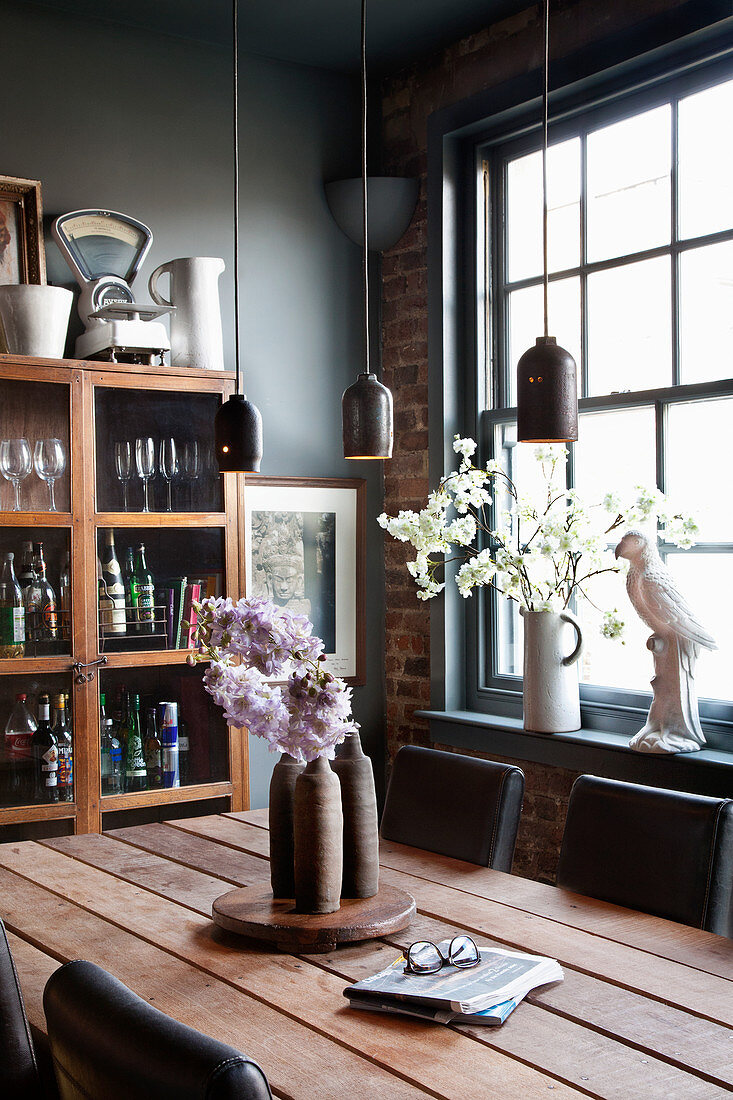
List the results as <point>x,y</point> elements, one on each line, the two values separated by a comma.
<point>196,339</point>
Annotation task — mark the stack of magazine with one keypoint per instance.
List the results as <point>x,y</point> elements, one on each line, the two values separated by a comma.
<point>484,994</point>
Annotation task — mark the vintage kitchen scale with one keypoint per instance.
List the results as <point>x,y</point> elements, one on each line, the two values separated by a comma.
<point>105,251</point>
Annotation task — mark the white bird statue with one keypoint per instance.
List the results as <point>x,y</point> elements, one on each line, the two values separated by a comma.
<point>673,723</point>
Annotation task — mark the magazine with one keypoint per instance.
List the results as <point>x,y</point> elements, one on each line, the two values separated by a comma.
<point>500,976</point>
<point>487,1017</point>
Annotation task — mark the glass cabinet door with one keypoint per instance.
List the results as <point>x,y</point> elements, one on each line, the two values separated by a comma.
<point>37,763</point>
<point>155,451</point>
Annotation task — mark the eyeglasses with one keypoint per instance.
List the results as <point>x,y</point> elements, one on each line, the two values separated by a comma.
<point>424,957</point>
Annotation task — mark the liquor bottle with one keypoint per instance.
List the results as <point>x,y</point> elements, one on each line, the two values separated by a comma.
<point>143,593</point>
<point>12,612</point>
<point>153,752</point>
<point>106,603</point>
<point>130,606</point>
<point>119,717</point>
<point>19,730</point>
<point>26,574</point>
<point>115,587</point>
<point>111,752</point>
<point>65,599</point>
<point>40,601</point>
<point>64,743</point>
<point>183,757</point>
<point>45,755</point>
<point>135,773</point>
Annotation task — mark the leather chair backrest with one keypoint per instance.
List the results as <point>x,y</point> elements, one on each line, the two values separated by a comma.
<point>663,852</point>
<point>18,1069</point>
<point>110,1044</point>
<point>455,805</point>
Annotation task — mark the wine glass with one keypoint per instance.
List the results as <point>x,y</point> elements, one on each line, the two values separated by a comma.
<point>123,467</point>
<point>191,465</point>
<point>169,463</point>
<point>145,462</point>
<point>15,464</point>
<point>49,461</point>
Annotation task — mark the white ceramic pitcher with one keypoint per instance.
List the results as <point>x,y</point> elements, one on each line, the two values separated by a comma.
<point>551,695</point>
<point>196,324</point>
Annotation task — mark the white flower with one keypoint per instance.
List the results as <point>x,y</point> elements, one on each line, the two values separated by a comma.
<point>613,626</point>
<point>461,531</point>
<point>465,447</point>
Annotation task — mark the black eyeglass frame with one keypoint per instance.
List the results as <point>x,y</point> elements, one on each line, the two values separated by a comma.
<point>444,960</point>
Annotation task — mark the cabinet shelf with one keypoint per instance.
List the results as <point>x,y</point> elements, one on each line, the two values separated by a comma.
<point>52,811</point>
<point>36,519</point>
<point>160,519</point>
<point>196,792</point>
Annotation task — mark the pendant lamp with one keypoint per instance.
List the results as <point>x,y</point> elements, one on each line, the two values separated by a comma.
<point>547,377</point>
<point>366,406</point>
<point>238,423</point>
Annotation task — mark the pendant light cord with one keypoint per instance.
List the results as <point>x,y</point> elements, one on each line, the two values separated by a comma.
<point>235,115</point>
<point>544,160</point>
<point>364,183</point>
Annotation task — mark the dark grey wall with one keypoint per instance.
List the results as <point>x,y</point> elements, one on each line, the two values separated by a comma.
<point>114,117</point>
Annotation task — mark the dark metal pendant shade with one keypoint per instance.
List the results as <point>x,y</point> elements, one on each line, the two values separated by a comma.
<point>366,416</point>
<point>238,436</point>
<point>547,394</point>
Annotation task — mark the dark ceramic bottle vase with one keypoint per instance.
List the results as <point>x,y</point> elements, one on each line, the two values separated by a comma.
<point>282,798</point>
<point>318,830</point>
<point>361,826</point>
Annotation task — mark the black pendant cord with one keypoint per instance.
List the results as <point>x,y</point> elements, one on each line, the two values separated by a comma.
<point>235,115</point>
<point>544,161</point>
<point>365,218</point>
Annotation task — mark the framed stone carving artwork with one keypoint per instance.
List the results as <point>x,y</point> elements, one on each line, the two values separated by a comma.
<point>304,545</point>
<point>22,255</point>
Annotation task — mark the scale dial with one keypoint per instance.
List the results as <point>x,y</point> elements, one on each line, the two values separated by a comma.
<point>98,243</point>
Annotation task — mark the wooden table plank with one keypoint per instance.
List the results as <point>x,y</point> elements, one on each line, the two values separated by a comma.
<point>296,1059</point>
<point>714,954</point>
<point>260,818</point>
<point>237,834</point>
<point>190,850</point>
<point>599,1062</point>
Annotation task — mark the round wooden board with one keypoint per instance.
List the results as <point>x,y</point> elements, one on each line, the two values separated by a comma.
<point>252,911</point>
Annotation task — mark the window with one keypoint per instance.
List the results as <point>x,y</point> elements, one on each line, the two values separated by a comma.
<point>640,236</point>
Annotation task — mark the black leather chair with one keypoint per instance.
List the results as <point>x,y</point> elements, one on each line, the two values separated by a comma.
<point>455,805</point>
<point>109,1044</point>
<point>19,1074</point>
<point>662,852</point>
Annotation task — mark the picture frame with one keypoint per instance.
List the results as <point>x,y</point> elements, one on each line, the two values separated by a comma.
<point>22,253</point>
<point>304,545</point>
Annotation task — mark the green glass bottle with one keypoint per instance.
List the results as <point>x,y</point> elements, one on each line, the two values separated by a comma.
<point>135,771</point>
<point>130,607</point>
<point>143,590</point>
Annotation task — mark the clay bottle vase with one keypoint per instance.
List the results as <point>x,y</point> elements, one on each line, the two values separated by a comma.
<point>282,797</point>
<point>361,826</point>
<point>318,825</point>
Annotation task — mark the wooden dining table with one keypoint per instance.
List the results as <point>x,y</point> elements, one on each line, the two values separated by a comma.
<point>645,1009</point>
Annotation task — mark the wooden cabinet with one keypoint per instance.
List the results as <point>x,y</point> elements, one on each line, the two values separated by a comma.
<point>90,407</point>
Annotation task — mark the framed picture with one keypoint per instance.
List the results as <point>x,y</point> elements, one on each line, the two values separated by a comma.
<point>22,256</point>
<point>304,545</point>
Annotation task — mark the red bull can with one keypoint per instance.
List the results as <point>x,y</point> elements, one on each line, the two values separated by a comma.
<point>168,726</point>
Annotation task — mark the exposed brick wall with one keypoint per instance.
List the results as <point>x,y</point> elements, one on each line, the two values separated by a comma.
<point>485,59</point>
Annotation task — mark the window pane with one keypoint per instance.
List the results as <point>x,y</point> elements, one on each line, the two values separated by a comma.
<point>705,161</point>
<point>615,452</point>
<point>526,322</point>
<point>704,581</point>
<point>706,312</point>
<point>699,432</point>
<point>524,211</point>
<point>620,663</point>
<point>629,326</point>
<point>629,185</point>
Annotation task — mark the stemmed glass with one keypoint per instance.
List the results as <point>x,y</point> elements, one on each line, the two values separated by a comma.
<point>49,461</point>
<point>169,465</point>
<point>123,467</point>
<point>15,464</point>
<point>145,462</point>
<point>191,465</point>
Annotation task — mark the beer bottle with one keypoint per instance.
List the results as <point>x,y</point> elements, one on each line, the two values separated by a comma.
<point>135,772</point>
<point>130,604</point>
<point>45,754</point>
<point>143,593</point>
<point>153,752</point>
<point>62,731</point>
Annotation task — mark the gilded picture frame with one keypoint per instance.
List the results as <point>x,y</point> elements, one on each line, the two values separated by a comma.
<point>22,253</point>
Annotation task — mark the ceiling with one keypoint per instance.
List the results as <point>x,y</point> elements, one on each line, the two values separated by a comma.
<point>324,33</point>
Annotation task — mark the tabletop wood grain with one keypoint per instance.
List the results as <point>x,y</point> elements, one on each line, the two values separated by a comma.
<point>645,1010</point>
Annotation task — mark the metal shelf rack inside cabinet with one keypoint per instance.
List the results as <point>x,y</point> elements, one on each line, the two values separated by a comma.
<point>139,473</point>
